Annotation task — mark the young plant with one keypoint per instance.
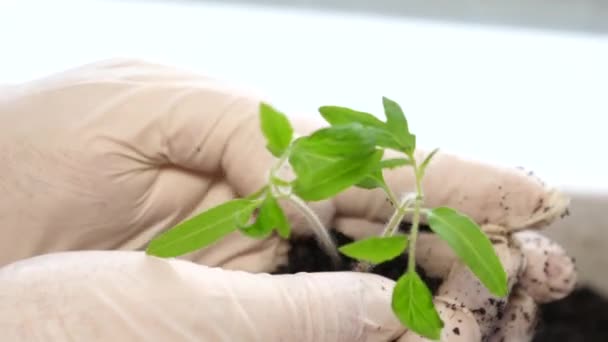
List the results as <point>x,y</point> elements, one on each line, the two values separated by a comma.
<point>412,300</point>
<point>330,160</point>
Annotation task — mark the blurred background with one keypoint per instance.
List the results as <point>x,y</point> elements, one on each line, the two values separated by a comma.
<point>516,83</point>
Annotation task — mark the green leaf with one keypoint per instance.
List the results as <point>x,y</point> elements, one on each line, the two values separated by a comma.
<point>348,140</point>
<point>328,145</point>
<point>427,160</point>
<point>471,245</point>
<point>383,136</point>
<point>276,129</point>
<point>306,163</point>
<point>270,216</point>
<point>318,178</point>
<point>201,230</point>
<point>397,124</point>
<point>373,180</point>
<point>395,118</point>
<point>376,178</point>
<point>412,302</point>
<point>376,249</point>
<point>336,115</point>
<point>394,163</point>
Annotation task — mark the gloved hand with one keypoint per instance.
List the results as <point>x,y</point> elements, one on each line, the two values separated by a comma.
<point>106,156</point>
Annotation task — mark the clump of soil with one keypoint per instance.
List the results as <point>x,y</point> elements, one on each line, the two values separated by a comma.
<point>582,316</point>
<point>306,256</point>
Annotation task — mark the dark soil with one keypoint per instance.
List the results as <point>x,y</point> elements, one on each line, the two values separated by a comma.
<point>306,256</point>
<point>582,316</point>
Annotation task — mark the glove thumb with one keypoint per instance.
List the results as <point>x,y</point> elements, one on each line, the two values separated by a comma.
<point>129,296</point>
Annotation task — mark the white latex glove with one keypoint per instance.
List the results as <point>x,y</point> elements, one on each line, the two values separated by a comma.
<point>106,156</point>
<point>128,296</point>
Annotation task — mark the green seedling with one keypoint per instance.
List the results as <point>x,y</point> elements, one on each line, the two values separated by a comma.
<point>348,153</point>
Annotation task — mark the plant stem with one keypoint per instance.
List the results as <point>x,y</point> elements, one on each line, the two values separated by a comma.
<point>280,162</point>
<point>321,233</point>
<point>411,266</point>
<point>391,196</point>
<point>272,177</point>
<point>393,223</point>
<point>391,227</point>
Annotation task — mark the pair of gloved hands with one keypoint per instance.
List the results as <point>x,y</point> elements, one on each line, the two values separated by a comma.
<point>98,160</point>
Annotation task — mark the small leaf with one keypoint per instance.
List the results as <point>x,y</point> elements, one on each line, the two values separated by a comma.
<point>427,160</point>
<point>397,124</point>
<point>276,129</point>
<point>306,163</point>
<point>270,216</point>
<point>412,302</point>
<point>201,230</point>
<point>376,249</point>
<point>383,136</point>
<point>373,180</point>
<point>376,178</point>
<point>348,140</point>
<point>257,230</point>
<point>471,245</point>
<point>320,179</point>
<point>282,225</point>
<point>394,163</point>
<point>395,117</point>
<point>329,145</point>
<point>336,115</point>
<point>257,194</point>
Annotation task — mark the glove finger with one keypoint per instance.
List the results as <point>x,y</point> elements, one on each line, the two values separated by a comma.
<point>215,129</point>
<point>519,321</point>
<point>358,228</point>
<point>547,274</point>
<point>469,311</point>
<point>436,257</point>
<point>460,324</point>
<point>196,130</point>
<point>488,194</point>
<point>186,121</point>
<point>128,296</point>
<point>550,274</point>
<point>463,287</point>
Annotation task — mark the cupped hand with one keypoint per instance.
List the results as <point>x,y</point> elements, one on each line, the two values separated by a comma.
<point>108,155</point>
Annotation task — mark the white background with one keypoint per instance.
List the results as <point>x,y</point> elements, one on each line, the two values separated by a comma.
<point>513,97</point>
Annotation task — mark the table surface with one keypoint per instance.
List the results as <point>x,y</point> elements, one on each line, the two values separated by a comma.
<point>512,97</point>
